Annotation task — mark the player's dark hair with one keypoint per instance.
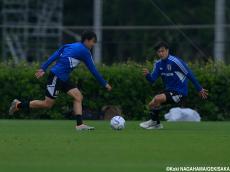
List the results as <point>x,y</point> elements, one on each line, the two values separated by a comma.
<point>161,45</point>
<point>89,35</point>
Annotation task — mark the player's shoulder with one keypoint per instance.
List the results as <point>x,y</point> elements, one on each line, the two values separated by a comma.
<point>76,45</point>
<point>175,59</point>
<point>79,47</point>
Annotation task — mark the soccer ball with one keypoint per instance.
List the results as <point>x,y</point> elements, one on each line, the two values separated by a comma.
<point>117,123</point>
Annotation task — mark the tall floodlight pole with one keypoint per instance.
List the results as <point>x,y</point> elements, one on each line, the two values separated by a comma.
<point>219,46</point>
<point>97,29</point>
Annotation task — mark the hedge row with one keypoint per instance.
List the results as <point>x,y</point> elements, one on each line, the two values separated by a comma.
<point>130,90</point>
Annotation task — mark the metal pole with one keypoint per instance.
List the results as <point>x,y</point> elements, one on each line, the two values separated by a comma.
<point>97,29</point>
<point>219,47</point>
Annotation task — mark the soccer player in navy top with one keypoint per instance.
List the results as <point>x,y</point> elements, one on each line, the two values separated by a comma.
<point>67,58</point>
<point>174,74</point>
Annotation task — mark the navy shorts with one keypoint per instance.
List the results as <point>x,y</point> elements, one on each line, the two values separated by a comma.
<point>174,98</point>
<point>55,85</point>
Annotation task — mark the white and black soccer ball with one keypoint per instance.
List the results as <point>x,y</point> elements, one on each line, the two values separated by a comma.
<point>117,123</point>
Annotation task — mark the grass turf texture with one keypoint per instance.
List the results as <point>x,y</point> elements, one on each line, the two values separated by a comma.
<point>36,146</point>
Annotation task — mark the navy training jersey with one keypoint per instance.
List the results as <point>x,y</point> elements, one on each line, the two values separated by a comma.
<point>175,74</point>
<point>68,57</point>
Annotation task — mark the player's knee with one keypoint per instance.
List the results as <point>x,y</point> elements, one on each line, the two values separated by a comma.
<point>152,105</point>
<point>78,97</point>
<point>48,105</point>
<point>155,103</point>
<point>76,94</point>
<point>157,99</point>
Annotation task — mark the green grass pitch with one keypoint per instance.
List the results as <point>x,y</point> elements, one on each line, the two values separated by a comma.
<point>54,146</point>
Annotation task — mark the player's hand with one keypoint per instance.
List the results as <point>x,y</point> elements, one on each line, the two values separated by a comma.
<point>39,73</point>
<point>108,87</point>
<point>203,93</point>
<point>145,71</point>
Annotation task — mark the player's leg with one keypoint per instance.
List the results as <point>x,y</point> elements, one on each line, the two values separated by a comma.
<point>154,105</point>
<point>46,104</point>
<point>52,91</point>
<point>77,108</point>
<point>17,105</point>
<point>77,104</point>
